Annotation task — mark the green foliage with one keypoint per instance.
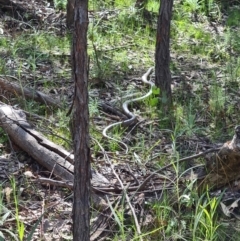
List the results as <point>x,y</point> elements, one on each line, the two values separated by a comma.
<point>152,6</point>
<point>185,124</point>
<point>233,18</point>
<point>153,100</point>
<point>113,43</point>
<point>93,107</point>
<point>191,5</point>
<point>205,223</point>
<point>5,214</point>
<point>60,133</point>
<point>121,43</point>
<point>6,217</point>
<point>196,218</point>
<point>60,4</point>
<point>217,100</point>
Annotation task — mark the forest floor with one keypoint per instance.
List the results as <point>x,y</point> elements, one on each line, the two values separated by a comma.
<point>35,53</point>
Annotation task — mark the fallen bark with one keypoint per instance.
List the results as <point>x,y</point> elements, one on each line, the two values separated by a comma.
<point>28,93</point>
<point>223,167</point>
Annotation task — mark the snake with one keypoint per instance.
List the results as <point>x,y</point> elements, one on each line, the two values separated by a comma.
<point>131,117</point>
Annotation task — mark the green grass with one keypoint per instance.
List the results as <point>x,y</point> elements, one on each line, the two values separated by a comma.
<point>192,217</point>
<point>17,230</point>
<point>20,224</point>
<point>121,44</point>
<point>60,4</point>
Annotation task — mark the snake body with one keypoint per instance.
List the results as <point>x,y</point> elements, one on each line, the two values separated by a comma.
<point>130,115</point>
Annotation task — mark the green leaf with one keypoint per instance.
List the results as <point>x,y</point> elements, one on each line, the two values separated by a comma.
<point>154,102</point>
<point>155,90</point>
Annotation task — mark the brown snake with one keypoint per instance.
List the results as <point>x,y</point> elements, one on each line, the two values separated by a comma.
<point>132,118</point>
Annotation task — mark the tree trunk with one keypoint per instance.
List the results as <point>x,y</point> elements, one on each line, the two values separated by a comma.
<point>82,169</point>
<point>70,13</point>
<point>162,54</point>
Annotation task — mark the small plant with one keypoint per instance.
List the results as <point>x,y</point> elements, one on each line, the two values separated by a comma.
<point>186,122</point>
<point>60,4</point>
<point>117,133</point>
<point>217,102</point>
<point>93,107</point>
<point>191,5</point>
<point>60,133</point>
<point>5,214</point>
<point>205,224</point>
<point>153,100</point>
<point>119,218</point>
<point>20,224</point>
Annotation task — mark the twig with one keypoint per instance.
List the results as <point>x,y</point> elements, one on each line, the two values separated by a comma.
<point>124,190</point>
<point>130,172</point>
<point>144,183</point>
<point>114,117</point>
<point>42,220</point>
<point>29,93</point>
<point>134,188</point>
<point>55,182</point>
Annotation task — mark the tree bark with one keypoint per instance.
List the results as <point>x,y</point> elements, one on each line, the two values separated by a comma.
<point>162,54</point>
<point>82,169</point>
<point>70,13</point>
<point>222,168</point>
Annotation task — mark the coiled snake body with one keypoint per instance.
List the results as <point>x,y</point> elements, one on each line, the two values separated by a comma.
<point>132,117</point>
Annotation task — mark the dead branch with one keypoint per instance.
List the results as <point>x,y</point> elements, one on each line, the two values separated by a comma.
<point>29,93</point>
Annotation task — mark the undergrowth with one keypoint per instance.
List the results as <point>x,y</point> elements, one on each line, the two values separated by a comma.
<point>121,41</point>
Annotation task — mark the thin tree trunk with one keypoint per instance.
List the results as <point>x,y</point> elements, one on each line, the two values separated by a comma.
<point>70,13</point>
<point>82,171</point>
<point>162,55</point>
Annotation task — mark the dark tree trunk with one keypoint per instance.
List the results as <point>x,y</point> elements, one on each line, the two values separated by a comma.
<point>70,13</point>
<point>162,55</point>
<point>82,169</point>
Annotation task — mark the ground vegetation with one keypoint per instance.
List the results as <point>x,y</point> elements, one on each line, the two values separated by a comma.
<point>149,190</point>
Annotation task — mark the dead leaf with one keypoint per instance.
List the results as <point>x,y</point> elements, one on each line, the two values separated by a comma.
<point>29,174</point>
<point>8,192</point>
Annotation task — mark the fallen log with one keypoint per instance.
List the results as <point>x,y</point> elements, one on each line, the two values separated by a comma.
<point>54,158</point>
<point>223,167</point>
<point>28,93</point>
<point>48,154</point>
